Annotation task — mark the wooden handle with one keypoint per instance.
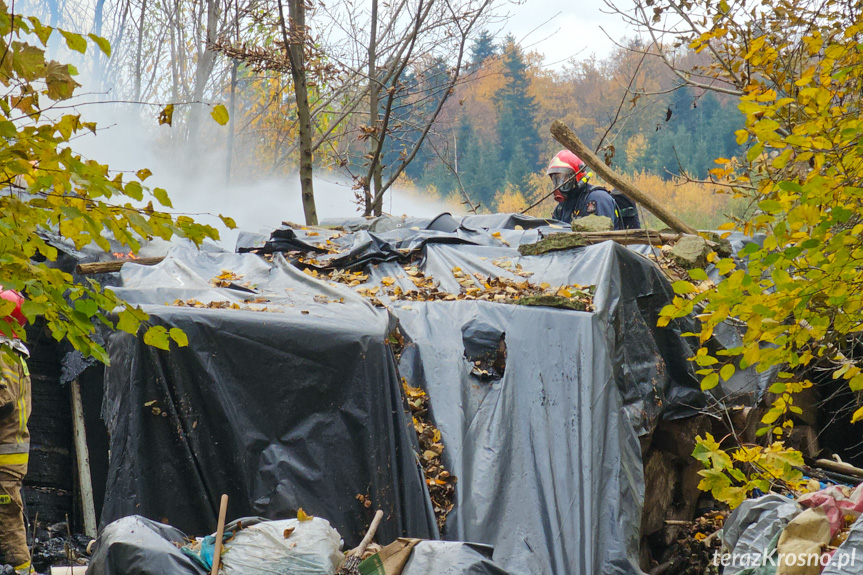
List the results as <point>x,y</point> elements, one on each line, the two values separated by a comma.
<point>358,552</point>
<point>220,532</point>
<point>567,137</point>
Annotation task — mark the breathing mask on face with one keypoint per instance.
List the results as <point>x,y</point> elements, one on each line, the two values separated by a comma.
<point>564,181</point>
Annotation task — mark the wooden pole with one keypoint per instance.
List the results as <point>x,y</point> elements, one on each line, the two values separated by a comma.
<point>82,454</point>
<point>114,266</point>
<point>567,137</point>
<point>220,532</point>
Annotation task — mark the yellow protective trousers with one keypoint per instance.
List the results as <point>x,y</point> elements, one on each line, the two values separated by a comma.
<point>14,454</point>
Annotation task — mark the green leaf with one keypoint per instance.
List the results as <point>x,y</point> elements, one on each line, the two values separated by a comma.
<point>754,151</point>
<point>727,371</point>
<point>732,495</point>
<point>178,336</point>
<point>682,287</point>
<point>229,222</point>
<point>162,197</point>
<point>103,44</point>
<point>157,336</point>
<point>698,274</point>
<point>772,415</point>
<point>42,32</point>
<point>8,130</point>
<point>778,387</point>
<point>714,479</point>
<point>128,322</point>
<point>134,191</point>
<point>220,114</point>
<point>86,306</point>
<point>710,381</point>
<point>769,206</point>
<point>74,41</point>
<point>790,187</point>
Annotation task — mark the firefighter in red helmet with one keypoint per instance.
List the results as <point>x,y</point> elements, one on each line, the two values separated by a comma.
<point>14,435</point>
<point>577,198</point>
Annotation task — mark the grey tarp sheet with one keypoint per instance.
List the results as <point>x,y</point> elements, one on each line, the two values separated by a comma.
<point>751,529</point>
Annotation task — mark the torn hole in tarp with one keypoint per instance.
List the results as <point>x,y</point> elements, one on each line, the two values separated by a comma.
<point>485,349</point>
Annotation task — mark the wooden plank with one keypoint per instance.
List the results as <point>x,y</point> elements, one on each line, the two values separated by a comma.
<point>114,266</point>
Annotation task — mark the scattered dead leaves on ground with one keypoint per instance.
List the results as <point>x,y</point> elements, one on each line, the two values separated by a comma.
<point>441,483</point>
<point>693,550</point>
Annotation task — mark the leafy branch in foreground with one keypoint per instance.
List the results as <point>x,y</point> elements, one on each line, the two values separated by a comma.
<point>47,190</point>
<point>799,290</point>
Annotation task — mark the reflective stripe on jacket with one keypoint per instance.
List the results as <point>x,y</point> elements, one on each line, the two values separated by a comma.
<point>14,435</point>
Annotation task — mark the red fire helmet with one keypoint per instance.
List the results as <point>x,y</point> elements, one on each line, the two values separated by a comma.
<point>564,161</point>
<point>17,299</point>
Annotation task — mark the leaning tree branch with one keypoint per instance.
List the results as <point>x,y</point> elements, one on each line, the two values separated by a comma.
<point>567,137</point>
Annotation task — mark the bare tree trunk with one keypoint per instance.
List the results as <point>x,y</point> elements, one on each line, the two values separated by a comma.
<point>374,104</point>
<point>294,45</point>
<point>230,152</point>
<point>175,49</point>
<point>206,62</point>
<point>235,64</point>
<point>138,54</point>
<point>98,56</point>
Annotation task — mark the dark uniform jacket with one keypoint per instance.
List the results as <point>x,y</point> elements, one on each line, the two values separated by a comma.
<point>587,200</point>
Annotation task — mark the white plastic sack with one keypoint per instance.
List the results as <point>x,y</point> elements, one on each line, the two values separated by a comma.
<point>313,548</point>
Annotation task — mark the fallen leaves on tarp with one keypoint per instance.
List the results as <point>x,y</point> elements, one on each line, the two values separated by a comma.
<point>440,482</point>
<point>227,279</point>
<point>507,265</point>
<point>349,278</point>
<point>225,304</point>
<point>483,288</point>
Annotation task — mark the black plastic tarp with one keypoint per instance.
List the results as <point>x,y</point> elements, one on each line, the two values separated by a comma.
<point>135,545</point>
<point>298,406</point>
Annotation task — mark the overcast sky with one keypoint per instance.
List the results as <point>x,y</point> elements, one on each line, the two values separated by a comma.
<point>563,29</point>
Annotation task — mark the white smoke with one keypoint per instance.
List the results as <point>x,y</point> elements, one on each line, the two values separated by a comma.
<point>127,142</point>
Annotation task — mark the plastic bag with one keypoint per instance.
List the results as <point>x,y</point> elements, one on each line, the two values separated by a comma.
<point>202,551</point>
<point>288,547</point>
